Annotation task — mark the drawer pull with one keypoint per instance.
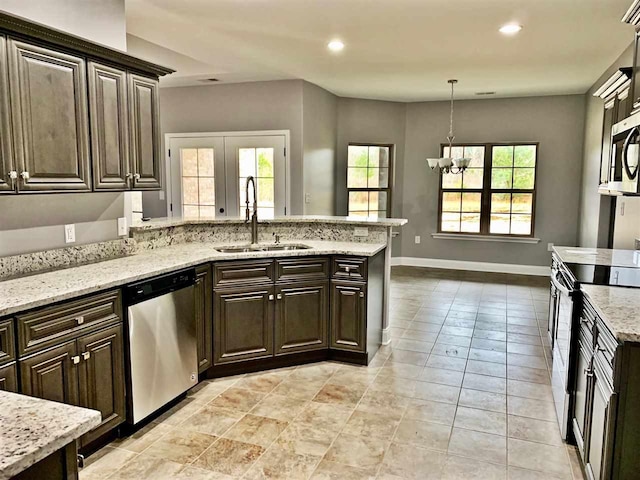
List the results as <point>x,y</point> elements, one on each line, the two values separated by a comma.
<point>279,297</point>
<point>361,294</point>
<point>347,269</point>
<point>80,320</point>
<point>75,359</point>
<point>86,355</point>
<point>271,297</point>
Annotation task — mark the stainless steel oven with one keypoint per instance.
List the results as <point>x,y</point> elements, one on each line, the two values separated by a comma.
<point>625,156</point>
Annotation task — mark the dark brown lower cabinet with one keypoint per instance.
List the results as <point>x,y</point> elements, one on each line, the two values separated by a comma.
<point>9,377</point>
<point>60,465</point>
<point>348,316</point>
<point>204,318</point>
<point>243,326</point>
<point>581,396</point>
<point>52,374</point>
<point>101,378</point>
<point>302,317</point>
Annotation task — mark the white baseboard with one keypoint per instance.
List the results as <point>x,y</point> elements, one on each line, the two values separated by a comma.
<point>472,266</point>
<point>386,336</point>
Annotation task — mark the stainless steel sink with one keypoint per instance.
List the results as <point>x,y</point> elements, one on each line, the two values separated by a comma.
<point>261,248</point>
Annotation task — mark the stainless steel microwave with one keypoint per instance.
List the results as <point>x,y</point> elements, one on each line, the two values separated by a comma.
<point>625,156</point>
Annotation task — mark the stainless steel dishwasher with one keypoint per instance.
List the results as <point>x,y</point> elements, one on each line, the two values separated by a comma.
<point>162,348</point>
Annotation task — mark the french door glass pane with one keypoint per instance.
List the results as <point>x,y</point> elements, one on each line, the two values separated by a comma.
<point>198,182</point>
<point>258,163</point>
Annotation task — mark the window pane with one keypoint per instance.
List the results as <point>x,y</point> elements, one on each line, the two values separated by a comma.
<point>471,202</point>
<point>357,178</point>
<point>521,224</point>
<point>522,203</point>
<point>500,202</point>
<point>265,193</point>
<point>450,222</point>
<point>358,214</point>
<point>189,162</point>
<point>451,201</point>
<point>473,178</point>
<point>190,211</point>
<point>476,154</point>
<point>247,158</point>
<point>190,190</point>
<point>207,211</point>
<point>501,178</point>
<point>357,156</point>
<point>380,178</point>
<point>502,156</point>
<point>377,201</point>
<point>266,212</point>
<point>265,162</point>
<point>384,156</point>
<point>524,178</point>
<point>358,201</point>
<point>456,152</point>
<point>525,156</point>
<point>373,175</point>
<point>449,180</point>
<point>206,191</point>
<point>205,162</point>
<point>470,223</point>
<point>374,157</point>
<point>499,223</point>
<point>381,213</point>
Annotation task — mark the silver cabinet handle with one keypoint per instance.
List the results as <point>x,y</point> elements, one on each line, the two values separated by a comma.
<point>86,355</point>
<point>25,175</point>
<point>361,294</point>
<point>80,320</point>
<point>347,269</point>
<point>12,174</point>
<point>271,297</point>
<point>136,176</point>
<point>279,297</point>
<point>76,359</point>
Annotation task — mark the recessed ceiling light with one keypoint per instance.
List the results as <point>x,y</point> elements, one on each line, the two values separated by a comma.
<point>510,28</point>
<point>335,45</point>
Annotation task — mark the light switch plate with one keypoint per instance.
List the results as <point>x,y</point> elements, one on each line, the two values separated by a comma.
<point>550,247</point>
<point>70,233</point>
<point>417,239</point>
<point>161,195</point>
<point>361,232</point>
<point>307,198</point>
<point>122,226</point>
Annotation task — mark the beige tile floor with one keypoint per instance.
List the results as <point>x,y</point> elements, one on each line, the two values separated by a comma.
<point>462,393</point>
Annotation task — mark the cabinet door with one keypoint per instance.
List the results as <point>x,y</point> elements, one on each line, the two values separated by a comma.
<point>109,127</point>
<point>598,452</point>
<point>348,316</point>
<point>204,318</point>
<point>144,123</point>
<point>52,374</point>
<point>101,378</point>
<point>584,374</point>
<point>243,324</point>
<point>9,378</point>
<point>50,120</point>
<point>605,159</point>
<point>7,167</point>
<point>302,317</point>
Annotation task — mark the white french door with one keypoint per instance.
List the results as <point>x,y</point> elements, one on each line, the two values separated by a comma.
<point>208,174</point>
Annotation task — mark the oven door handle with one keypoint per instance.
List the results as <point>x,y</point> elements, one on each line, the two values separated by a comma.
<point>556,283</point>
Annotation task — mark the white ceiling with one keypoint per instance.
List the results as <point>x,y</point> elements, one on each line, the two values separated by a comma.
<point>403,50</point>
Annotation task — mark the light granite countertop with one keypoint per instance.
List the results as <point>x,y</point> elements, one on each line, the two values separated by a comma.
<point>32,429</point>
<point>21,294</point>
<point>158,223</point>
<point>619,308</point>
<point>599,256</point>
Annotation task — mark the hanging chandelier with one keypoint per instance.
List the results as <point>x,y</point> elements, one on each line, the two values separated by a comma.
<point>448,164</point>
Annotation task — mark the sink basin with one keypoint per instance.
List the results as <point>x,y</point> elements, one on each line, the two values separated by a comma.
<point>261,248</point>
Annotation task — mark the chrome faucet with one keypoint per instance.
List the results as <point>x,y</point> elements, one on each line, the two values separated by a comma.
<point>254,216</point>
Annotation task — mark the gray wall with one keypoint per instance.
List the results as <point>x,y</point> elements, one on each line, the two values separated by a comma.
<point>556,122</point>
<point>595,208</point>
<point>101,21</point>
<point>36,222</point>
<point>236,107</point>
<point>319,117</point>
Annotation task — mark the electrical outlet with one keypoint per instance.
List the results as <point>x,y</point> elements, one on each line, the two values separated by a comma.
<point>70,233</point>
<point>550,247</point>
<point>361,232</point>
<point>122,226</point>
<point>417,239</point>
<point>307,198</point>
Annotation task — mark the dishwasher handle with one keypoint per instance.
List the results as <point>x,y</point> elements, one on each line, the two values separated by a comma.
<point>154,287</point>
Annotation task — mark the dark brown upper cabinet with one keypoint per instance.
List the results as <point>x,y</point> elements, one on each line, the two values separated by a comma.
<point>109,128</point>
<point>144,120</point>
<point>8,172</point>
<point>50,120</point>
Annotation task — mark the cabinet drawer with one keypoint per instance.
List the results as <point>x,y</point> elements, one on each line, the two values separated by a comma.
<point>302,269</point>
<point>349,268</point>
<point>52,325</point>
<point>9,378</point>
<point>243,273</point>
<point>7,341</point>
<point>606,344</point>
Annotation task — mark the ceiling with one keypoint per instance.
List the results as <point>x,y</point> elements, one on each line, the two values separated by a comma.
<point>402,50</point>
